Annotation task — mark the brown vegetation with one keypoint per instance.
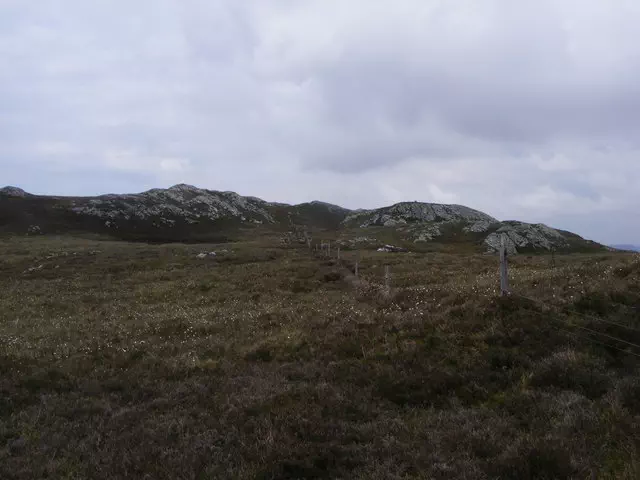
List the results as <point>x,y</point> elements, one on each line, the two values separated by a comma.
<point>139,361</point>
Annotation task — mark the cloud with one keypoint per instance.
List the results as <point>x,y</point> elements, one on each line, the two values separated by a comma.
<point>546,199</point>
<point>527,111</point>
<point>132,161</point>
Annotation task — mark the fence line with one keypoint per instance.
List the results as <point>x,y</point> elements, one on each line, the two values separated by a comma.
<point>591,331</point>
<point>606,335</point>
<point>574,334</point>
<point>596,341</point>
<point>575,312</point>
<point>506,291</point>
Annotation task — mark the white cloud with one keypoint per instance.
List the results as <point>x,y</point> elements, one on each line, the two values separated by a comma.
<point>174,164</point>
<point>555,163</point>
<point>54,148</point>
<point>442,197</point>
<point>132,161</point>
<point>547,200</point>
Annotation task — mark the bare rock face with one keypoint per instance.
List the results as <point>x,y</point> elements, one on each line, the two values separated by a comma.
<point>427,233</point>
<point>519,235</point>
<point>415,212</point>
<point>180,202</point>
<point>13,192</point>
<point>392,249</point>
<point>427,222</point>
<point>479,226</point>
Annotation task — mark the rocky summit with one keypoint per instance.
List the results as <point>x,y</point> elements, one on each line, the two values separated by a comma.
<point>13,192</point>
<point>178,203</point>
<point>186,213</point>
<point>416,212</point>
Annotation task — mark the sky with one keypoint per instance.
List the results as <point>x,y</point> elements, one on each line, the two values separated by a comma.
<point>524,110</point>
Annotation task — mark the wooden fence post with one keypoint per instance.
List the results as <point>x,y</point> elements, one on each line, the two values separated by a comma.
<point>338,252</point>
<point>504,271</point>
<point>329,249</point>
<point>387,280</point>
<point>356,271</point>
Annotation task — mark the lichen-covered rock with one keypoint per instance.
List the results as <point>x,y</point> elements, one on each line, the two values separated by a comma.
<point>389,221</point>
<point>520,235</point>
<point>479,226</point>
<point>415,212</point>
<point>392,249</point>
<point>184,202</point>
<point>13,192</point>
<point>427,233</point>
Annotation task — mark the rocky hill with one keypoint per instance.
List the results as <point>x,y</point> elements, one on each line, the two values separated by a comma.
<point>416,212</point>
<point>180,203</point>
<point>187,213</point>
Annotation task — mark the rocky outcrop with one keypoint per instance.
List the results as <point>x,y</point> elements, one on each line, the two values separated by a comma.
<point>426,222</point>
<point>426,233</point>
<point>392,249</point>
<point>180,202</point>
<point>415,212</point>
<point>525,236</point>
<point>13,192</point>
<point>479,226</point>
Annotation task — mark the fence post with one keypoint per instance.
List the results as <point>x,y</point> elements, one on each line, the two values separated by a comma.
<point>329,249</point>
<point>387,280</point>
<point>357,263</point>
<point>504,271</point>
<point>338,252</point>
<point>553,257</point>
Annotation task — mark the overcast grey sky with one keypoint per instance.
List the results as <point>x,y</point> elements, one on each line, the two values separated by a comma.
<point>525,110</point>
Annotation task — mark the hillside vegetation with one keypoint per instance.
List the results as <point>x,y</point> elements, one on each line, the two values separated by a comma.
<point>123,360</point>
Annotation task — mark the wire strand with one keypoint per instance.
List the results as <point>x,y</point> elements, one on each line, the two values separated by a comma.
<point>575,312</point>
<point>598,342</point>
<point>595,332</point>
<point>598,319</point>
<point>605,335</point>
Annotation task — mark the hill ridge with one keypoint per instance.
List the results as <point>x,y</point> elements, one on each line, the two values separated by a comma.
<point>185,212</point>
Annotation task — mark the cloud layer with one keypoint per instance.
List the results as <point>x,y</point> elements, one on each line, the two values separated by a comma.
<point>523,110</point>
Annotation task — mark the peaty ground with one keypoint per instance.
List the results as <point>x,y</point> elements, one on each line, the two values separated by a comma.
<point>126,360</point>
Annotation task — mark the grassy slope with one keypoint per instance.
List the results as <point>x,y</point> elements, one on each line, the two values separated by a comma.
<point>123,360</point>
